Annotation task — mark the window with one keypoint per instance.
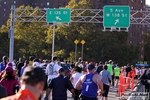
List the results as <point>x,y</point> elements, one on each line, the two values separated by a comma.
<point>48,3</point>
<point>41,4</point>
<point>119,0</point>
<point>14,2</point>
<point>4,15</point>
<point>4,9</point>
<point>59,3</point>
<point>132,7</point>
<point>141,1</point>
<point>130,42</point>
<point>133,42</point>
<point>132,0</point>
<point>5,2</point>
<point>131,34</point>
<point>64,3</point>
<point>112,0</point>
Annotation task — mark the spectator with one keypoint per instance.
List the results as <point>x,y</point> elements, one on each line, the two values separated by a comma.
<point>59,86</point>
<point>89,83</point>
<point>9,82</point>
<point>3,92</point>
<point>32,84</point>
<point>106,79</point>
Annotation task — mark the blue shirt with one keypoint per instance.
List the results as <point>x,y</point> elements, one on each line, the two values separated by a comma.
<point>2,66</point>
<point>89,87</point>
<point>106,77</point>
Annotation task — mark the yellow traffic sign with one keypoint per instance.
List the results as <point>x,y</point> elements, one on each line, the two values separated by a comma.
<point>76,41</point>
<point>82,42</point>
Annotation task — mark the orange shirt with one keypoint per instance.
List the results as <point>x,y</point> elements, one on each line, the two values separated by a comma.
<point>21,95</point>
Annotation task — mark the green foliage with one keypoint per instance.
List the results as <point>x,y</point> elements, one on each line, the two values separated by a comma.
<point>4,40</point>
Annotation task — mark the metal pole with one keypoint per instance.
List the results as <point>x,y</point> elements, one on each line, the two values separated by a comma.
<point>53,44</point>
<point>82,51</point>
<point>75,52</point>
<point>12,23</point>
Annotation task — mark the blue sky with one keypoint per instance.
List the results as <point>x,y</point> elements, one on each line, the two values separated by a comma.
<point>148,2</point>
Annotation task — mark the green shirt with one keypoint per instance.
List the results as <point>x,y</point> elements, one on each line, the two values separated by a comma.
<point>110,68</point>
<point>117,71</point>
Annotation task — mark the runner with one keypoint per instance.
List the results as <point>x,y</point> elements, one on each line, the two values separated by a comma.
<point>75,77</point>
<point>9,82</point>
<point>110,69</point>
<point>26,64</point>
<point>52,71</point>
<point>88,84</point>
<point>106,79</point>
<point>3,92</point>
<point>117,74</point>
<point>32,84</point>
<point>3,64</point>
<point>59,86</point>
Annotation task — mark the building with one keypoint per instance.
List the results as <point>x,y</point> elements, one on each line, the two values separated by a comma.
<point>135,34</point>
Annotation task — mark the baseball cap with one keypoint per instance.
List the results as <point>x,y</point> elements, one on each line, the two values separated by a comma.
<point>61,70</point>
<point>91,66</point>
<point>33,75</point>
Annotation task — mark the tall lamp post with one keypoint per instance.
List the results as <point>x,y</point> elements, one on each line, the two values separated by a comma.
<point>76,42</point>
<point>82,42</point>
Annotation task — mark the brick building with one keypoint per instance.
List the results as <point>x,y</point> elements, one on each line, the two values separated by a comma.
<point>136,32</point>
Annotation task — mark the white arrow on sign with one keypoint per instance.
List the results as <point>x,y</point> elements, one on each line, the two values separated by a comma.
<point>117,21</point>
<point>58,18</point>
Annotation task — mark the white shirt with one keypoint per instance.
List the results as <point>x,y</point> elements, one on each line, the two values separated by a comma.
<point>37,64</point>
<point>14,65</point>
<point>76,77</point>
<point>136,71</point>
<point>56,68</point>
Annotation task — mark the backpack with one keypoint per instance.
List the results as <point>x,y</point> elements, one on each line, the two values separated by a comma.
<point>51,69</point>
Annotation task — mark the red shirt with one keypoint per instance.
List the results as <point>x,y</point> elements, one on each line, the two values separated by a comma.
<point>21,95</point>
<point>9,85</point>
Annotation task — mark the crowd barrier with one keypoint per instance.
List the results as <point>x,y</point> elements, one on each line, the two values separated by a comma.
<point>139,88</point>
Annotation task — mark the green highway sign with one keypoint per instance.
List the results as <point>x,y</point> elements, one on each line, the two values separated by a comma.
<point>116,16</point>
<point>58,15</point>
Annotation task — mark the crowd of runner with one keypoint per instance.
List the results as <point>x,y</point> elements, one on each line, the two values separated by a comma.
<point>31,79</point>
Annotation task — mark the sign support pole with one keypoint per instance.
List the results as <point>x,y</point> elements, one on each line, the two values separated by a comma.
<point>76,42</point>
<point>53,44</point>
<point>11,45</point>
<point>82,42</point>
<point>75,52</point>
